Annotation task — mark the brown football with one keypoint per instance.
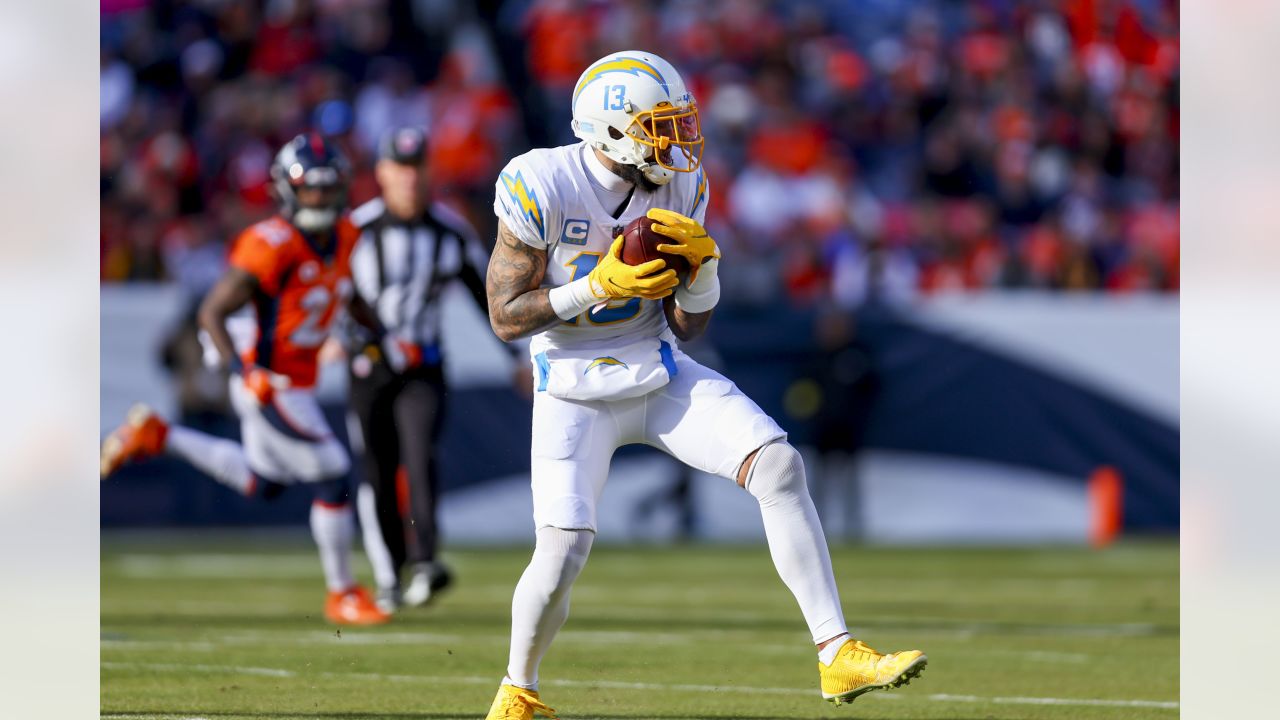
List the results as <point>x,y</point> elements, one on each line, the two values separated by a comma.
<point>640,245</point>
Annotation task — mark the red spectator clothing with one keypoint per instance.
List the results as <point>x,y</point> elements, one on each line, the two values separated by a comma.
<point>281,49</point>
<point>557,51</point>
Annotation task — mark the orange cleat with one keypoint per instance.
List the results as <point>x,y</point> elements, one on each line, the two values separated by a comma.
<point>141,436</point>
<point>353,606</point>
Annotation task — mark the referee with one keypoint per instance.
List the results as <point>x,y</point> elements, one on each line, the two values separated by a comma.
<point>409,250</point>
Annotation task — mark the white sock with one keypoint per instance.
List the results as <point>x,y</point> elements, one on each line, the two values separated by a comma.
<point>541,602</point>
<point>796,542</point>
<point>506,680</point>
<point>221,459</point>
<point>333,528</point>
<point>827,654</point>
<point>384,570</point>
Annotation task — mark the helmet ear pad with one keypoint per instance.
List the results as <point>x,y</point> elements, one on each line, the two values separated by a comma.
<point>624,149</point>
<point>650,169</point>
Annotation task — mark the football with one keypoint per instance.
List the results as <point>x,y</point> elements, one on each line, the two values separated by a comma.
<point>640,245</point>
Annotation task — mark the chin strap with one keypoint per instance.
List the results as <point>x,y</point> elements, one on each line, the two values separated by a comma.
<point>657,174</point>
<point>652,170</point>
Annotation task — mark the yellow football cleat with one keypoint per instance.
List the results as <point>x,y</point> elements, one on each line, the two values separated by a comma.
<point>858,669</point>
<point>517,703</point>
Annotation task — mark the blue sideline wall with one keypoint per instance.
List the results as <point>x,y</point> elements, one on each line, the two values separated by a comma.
<point>1004,402</point>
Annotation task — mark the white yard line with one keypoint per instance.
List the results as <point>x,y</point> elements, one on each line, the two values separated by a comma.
<point>216,565</point>
<point>147,716</point>
<point>183,667</point>
<point>678,687</point>
<point>583,637</point>
<point>1041,655</point>
<point>1163,704</point>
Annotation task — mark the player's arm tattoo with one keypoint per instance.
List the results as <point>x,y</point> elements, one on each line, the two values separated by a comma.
<point>685,325</point>
<point>517,305</point>
<point>232,291</point>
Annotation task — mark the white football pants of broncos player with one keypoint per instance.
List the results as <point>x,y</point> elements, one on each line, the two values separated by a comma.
<point>700,418</point>
<point>283,442</point>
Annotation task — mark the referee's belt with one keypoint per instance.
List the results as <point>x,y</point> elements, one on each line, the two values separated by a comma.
<point>429,353</point>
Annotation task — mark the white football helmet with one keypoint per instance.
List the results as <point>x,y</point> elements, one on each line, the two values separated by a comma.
<point>636,109</point>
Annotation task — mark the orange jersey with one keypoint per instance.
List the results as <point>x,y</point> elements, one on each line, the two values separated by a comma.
<point>299,291</point>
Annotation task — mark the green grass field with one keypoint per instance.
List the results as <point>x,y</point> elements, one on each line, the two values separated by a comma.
<point>225,626</point>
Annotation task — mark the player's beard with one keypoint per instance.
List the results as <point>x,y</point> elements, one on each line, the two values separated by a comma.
<point>636,176</point>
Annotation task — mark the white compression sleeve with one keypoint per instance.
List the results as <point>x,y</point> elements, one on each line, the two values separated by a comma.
<point>795,537</point>
<point>541,602</point>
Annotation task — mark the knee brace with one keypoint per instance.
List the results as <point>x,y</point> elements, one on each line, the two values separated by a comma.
<point>331,492</point>
<point>778,472</point>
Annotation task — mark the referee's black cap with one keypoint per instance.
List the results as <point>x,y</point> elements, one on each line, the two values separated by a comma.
<point>406,145</point>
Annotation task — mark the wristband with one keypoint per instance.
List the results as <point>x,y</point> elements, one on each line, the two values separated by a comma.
<point>701,301</point>
<point>572,299</point>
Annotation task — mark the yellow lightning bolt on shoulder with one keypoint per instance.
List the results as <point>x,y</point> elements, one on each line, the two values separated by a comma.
<point>524,196</point>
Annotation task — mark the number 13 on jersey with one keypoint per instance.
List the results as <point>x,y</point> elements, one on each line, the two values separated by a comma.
<point>582,264</point>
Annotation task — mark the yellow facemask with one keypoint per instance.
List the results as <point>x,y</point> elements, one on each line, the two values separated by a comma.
<point>665,129</point>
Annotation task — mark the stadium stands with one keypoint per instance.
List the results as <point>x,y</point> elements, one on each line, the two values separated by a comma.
<point>949,147</point>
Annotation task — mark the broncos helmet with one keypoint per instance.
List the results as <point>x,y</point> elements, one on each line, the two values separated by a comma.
<point>310,161</point>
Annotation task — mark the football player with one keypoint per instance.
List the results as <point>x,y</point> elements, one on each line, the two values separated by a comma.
<point>609,371</point>
<point>294,269</point>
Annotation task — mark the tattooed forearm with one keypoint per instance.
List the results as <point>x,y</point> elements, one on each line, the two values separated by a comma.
<point>517,306</point>
<point>685,325</point>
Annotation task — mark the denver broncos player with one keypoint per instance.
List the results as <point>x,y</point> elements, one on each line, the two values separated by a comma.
<point>294,269</point>
<point>609,371</point>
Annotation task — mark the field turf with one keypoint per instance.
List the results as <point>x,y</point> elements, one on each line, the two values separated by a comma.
<point>226,626</point>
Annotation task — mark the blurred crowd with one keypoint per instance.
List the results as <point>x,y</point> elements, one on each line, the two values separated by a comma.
<point>879,148</point>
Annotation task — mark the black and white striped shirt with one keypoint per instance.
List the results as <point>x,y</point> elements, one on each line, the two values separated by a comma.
<point>401,267</point>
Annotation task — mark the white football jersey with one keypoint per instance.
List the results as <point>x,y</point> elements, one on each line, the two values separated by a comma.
<point>545,198</point>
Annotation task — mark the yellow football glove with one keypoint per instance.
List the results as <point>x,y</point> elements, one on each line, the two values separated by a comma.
<point>692,241</point>
<point>613,279</point>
